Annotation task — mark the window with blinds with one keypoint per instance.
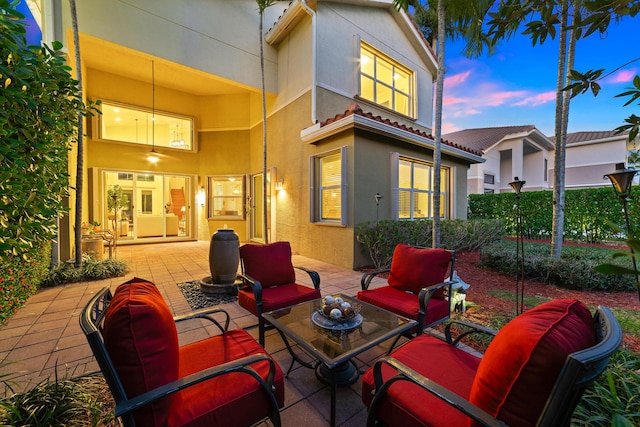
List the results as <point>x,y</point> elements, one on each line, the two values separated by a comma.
<point>415,189</point>
<point>328,187</point>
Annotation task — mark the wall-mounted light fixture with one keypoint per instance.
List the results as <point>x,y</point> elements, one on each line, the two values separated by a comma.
<point>201,197</point>
<point>280,184</point>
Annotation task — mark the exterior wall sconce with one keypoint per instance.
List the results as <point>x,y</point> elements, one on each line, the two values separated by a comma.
<point>201,196</point>
<point>517,187</point>
<point>280,184</point>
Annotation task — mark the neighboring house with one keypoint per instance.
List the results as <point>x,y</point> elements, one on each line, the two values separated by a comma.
<point>510,152</point>
<point>590,156</point>
<point>349,102</point>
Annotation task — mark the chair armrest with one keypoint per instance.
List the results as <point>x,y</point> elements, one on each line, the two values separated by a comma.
<point>255,286</point>
<point>315,277</point>
<point>407,374</point>
<point>426,293</point>
<point>470,328</point>
<point>240,365</point>
<point>206,313</point>
<point>366,279</point>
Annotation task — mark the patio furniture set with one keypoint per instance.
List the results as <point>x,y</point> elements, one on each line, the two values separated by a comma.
<point>533,372</point>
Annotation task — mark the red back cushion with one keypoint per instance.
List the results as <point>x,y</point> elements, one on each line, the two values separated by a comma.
<point>142,341</point>
<point>269,264</point>
<point>519,368</point>
<point>415,268</point>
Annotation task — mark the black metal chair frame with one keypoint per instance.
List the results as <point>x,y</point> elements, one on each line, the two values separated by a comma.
<point>423,297</point>
<point>91,320</point>
<point>256,287</point>
<point>579,370</point>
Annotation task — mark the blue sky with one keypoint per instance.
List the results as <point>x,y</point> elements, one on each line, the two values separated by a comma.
<point>516,85</point>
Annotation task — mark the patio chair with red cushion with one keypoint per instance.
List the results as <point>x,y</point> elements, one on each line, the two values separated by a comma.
<point>416,287</point>
<point>226,380</point>
<point>533,372</point>
<point>270,281</point>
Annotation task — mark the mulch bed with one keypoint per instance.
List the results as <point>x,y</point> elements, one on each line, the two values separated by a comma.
<point>483,280</point>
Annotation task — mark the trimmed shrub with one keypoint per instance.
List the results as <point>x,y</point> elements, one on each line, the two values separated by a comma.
<point>378,240</point>
<point>91,269</point>
<point>573,270</point>
<point>590,214</point>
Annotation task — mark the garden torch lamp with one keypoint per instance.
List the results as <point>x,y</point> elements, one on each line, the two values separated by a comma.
<point>621,180</point>
<point>517,187</point>
<point>378,196</point>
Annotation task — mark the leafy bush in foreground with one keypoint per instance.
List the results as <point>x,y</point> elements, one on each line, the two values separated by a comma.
<point>574,269</point>
<point>615,395</point>
<point>91,269</point>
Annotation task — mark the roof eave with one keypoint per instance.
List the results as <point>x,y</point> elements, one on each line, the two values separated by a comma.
<point>316,133</point>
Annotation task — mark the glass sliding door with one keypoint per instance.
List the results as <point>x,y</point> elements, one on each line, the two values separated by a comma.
<point>146,206</point>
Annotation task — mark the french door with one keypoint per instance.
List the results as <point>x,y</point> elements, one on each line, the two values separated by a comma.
<point>147,206</point>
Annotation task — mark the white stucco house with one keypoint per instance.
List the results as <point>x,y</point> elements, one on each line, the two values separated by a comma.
<point>524,152</point>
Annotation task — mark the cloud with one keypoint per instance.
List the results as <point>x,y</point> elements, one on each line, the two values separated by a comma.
<point>456,79</point>
<point>449,127</point>
<point>622,76</point>
<point>536,100</point>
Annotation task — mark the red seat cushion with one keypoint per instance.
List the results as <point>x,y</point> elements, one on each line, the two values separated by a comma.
<point>520,367</point>
<point>277,297</point>
<point>415,268</point>
<point>404,303</point>
<point>142,341</point>
<point>141,338</point>
<point>408,405</point>
<point>268,264</point>
<point>224,400</point>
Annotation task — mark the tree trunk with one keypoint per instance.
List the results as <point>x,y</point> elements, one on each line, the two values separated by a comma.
<point>265,213</point>
<point>80,159</point>
<point>438,128</point>
<point>561,140</point>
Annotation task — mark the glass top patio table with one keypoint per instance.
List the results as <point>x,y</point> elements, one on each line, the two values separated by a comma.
<point>335,346</point>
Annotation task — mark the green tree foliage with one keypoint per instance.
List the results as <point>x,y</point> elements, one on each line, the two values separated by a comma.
<point>38,119</point>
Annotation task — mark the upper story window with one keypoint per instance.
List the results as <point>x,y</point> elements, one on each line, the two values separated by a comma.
<point>415,188</point>
<point>489,179</point>
<point>126,123</point>
<point>226,196</point>
<point>385,82</point>
<point>328,187</point>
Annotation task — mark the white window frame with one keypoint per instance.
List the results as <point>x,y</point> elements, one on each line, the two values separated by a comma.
<point>170,131</point>
<point>315,188</point>
<point>395,188</point>
<point>212,198</point>
<point>395,64</point>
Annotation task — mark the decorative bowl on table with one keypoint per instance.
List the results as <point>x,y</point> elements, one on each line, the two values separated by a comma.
<point>337,314</point>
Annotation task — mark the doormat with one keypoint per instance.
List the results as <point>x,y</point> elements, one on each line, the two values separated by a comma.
<point>198,299</point>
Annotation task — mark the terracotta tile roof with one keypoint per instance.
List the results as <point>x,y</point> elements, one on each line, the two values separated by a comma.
<point>482,138</point>
<point>576,137</point>
<point>355,108</point>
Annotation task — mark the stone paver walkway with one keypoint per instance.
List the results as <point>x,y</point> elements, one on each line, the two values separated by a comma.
<point>45,335</point>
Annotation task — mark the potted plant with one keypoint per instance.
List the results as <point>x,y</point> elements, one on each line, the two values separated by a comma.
<point>96,225</point>
<point>117,202</point>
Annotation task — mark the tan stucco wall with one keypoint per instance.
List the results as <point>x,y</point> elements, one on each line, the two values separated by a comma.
<point>338,26</point>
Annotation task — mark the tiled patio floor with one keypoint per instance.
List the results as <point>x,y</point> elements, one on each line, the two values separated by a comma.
<point>45,336</point>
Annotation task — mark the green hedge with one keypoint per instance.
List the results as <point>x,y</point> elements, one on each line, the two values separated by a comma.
<point>590,215</point>
<point>20,279</point>
<point>379,239</point>
<point>573,270</point>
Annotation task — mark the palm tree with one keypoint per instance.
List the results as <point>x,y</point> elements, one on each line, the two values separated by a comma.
<point>80,159</point>
<point>457,18</point>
